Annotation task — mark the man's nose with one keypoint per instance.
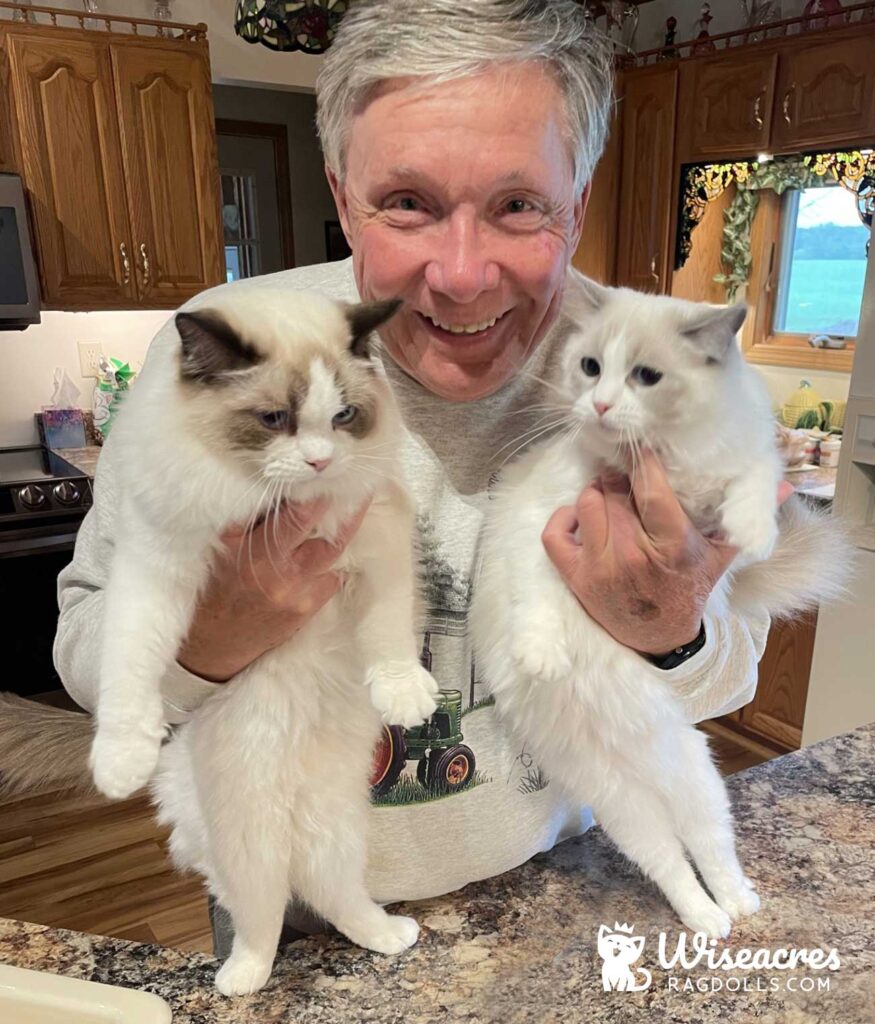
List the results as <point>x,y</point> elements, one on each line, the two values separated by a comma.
<point>461,266</point>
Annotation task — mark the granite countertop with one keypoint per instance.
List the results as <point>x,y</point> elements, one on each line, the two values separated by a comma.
<point>522,947</point>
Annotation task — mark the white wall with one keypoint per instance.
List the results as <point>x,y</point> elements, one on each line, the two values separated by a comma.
<point>28,359</point>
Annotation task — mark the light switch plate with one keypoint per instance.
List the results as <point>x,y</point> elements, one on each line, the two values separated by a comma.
<point>89,358</point>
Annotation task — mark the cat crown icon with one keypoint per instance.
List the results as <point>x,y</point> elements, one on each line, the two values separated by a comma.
<point>619,948</point>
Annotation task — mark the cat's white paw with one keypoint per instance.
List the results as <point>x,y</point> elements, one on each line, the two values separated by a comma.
<point>750,529</point>
<point>540,655</point>
<point>393,934</point>
<point>122,761</point>
<point>242,974</point>
<point>403,692</point>
<point>743,902</point>
<point>705,916</point>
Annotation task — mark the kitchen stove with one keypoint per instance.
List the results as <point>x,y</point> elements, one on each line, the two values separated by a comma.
<point>42,501</point>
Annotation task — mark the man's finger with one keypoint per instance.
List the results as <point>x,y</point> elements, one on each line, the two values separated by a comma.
<point>786,490</point>
<point>559,539</point>
<point>592,519</point>
<point>318,555</point>
<point>658,508</point>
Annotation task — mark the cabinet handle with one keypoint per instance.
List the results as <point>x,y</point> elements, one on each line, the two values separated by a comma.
<point>785,106</point>
<point>653,272</point>
<point>126,263</point>
<point>146,271</point>
<point>756,111</point>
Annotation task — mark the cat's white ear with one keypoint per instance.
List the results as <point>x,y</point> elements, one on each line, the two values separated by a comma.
<point>603,931</point>
<point>714,330</point>
<point>638,944</point>
<point>583,295</point>
<point>365,318</point>
<point>211,348</point>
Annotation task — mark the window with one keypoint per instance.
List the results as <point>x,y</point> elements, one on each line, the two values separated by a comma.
<point>242,258</point>
<point>822,263</point>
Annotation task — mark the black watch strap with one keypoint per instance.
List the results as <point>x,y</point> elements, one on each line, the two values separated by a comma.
<point>680,654</point>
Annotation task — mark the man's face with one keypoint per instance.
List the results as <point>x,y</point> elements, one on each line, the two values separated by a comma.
<point>459,198</point>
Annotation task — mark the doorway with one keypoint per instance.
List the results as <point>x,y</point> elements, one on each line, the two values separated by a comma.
<point>256,197</point>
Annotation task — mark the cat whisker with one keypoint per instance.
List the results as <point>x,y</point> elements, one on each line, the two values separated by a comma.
<point>530,430</point>
<point>531,440</point>
<point>541,380</point>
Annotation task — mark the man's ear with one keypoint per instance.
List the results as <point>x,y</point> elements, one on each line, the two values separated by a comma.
<point>339,192</point>
<point>580,206</point>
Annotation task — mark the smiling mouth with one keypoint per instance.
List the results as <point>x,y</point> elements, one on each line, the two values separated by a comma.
<point>463,329</point>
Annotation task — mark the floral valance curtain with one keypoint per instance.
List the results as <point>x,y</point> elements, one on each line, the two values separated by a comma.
<point>703,183</point>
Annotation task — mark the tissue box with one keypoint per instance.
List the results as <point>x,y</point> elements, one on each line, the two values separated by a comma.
<point>63,428</point>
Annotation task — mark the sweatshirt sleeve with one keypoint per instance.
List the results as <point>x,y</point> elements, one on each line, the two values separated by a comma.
<point>722,677</point>
<point>81,605</point>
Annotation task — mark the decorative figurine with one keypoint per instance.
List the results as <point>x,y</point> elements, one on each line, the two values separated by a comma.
<point>669,50</point>
<point>823,13</point>
<point>704,43</point>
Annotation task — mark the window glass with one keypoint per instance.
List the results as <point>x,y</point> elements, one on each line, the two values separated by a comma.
<point>823,263</point>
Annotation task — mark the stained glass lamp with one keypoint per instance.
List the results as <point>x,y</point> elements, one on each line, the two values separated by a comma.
<point>307,25</point>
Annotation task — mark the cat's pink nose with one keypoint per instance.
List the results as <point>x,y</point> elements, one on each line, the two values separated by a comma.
<point>601,407</point>
<point>318,464</point>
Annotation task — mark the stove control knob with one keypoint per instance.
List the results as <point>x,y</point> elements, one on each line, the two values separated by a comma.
<point>66,492</point>
<point>32,496</point>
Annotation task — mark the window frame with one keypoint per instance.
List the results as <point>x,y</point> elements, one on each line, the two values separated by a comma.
<point>759,342</point>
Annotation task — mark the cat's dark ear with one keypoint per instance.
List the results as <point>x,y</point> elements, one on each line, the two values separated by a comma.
<point>365,318</point>
<point>714,330</point>
<point>583,295</point>
<point>211,348</point>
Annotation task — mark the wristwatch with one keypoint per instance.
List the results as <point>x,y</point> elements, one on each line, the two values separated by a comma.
<point>680,654</point>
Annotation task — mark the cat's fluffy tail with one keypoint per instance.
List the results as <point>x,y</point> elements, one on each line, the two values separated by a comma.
<point>812,562</point>
<point>42,747</point>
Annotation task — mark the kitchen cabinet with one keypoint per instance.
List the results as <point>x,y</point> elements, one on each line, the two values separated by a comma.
<point>725,105</point>
<point>647,106</point>
<point>71,165</point>
<point>826,93</point>
<point>114,138</point>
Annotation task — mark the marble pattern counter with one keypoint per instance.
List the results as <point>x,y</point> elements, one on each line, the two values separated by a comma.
<point>522,947</point>
<point>84,459</point>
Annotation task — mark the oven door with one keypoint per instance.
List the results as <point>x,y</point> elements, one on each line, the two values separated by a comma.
<point>30,561</point>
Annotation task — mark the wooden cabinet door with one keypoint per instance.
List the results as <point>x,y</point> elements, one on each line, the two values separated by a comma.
<point>826,94</point>
<point>71,167</point>
<point>169,147</point>
<point>778,709</point>
<point>726,106</point>
<point>643,236</point>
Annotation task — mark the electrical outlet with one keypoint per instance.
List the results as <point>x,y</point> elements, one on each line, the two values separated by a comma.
<point>89,358</point>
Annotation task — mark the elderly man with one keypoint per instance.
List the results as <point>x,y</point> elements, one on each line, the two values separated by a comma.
<point>459,137</point>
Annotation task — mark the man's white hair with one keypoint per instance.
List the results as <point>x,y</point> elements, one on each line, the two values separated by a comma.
<point>439,40</point>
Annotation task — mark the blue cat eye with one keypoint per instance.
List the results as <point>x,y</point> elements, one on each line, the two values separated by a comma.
<point>276,419</point>
<point>346,415</point>
<point>646,375</point>
<point>590,366</point>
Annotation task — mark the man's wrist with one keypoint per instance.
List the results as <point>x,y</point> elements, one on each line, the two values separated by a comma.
<point>680,654</point>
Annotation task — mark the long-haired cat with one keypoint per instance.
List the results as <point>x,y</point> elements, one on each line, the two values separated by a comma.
<point>601,721</point>
<point>251,406</point>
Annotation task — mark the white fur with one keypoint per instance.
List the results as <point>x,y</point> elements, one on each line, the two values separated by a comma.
<point>600,720</point>
<point>266,787</point>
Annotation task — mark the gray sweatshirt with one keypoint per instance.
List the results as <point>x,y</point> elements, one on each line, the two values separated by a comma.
<point>419,846</point>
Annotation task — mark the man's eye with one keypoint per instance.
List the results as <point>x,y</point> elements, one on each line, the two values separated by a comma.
<point>590,366</point>
<point>646,375</point>
<point>276,419</point>
<point>518,206</point>
<point>346,415</point>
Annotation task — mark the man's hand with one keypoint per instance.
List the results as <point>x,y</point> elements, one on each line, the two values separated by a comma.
<point>267,583</point>
<point>635,561</point>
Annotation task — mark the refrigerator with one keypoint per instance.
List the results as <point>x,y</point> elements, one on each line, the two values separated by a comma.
<point>841,692</point>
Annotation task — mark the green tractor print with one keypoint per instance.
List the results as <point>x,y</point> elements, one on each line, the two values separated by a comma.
<point>444,763</point>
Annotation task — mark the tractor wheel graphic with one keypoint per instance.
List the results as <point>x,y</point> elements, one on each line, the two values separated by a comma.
<point>447,771</point>
<point>390,755</point>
